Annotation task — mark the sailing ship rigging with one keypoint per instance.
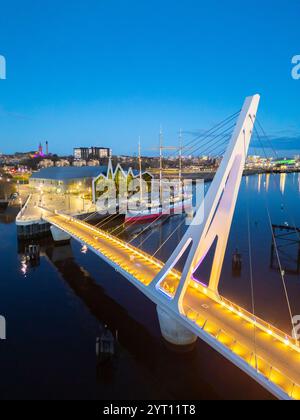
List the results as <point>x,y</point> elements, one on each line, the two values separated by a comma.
<point>151,206</point>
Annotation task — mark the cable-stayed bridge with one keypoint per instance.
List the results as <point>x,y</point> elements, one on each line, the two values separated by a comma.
<point>187,309</point>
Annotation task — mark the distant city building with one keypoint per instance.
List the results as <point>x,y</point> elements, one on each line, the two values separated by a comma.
<point>62,163</point>
<point>46,163</point>
<point>93,162</point>
<point>87,179</point>
<point>66,179</point>
<point>258,162</point>
<point>285,164</point>
<point>118,174</point>
<point>99,152</point>
<point>79,163</point>
<point>40,151</point>
<point>81,153</point>
<point>86,153</point>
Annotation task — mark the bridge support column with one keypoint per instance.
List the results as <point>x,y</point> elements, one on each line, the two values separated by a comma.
<point>59,235</point>
<point>172,331</point>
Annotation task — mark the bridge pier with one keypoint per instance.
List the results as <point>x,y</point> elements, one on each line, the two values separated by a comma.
<point>173,332</point>
<point>59,235</point>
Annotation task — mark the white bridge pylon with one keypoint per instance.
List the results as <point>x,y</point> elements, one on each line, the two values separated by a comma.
<point>213,219</point>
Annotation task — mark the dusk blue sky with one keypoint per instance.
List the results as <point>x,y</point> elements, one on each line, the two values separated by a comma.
<point>104,72</point>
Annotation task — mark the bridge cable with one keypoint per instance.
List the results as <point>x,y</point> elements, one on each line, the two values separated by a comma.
<point>277,184</point>
<point>168,238</point>
<point>136,222</point>
<point>224,142</point>
<point>220,143</point>
<point>224,134</point>
<point>212,131</point>
<point>206,135</point>
<point>107,220</point>
<point>251,265</point>
<point>147,237</point>
<point>268,139</point>
<point>126,226</point>
<point>282,272</point>
<point>204,147</point>
<point>145,229</point>
<point>89,216</point>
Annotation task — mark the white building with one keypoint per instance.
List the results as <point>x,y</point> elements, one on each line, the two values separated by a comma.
<point>93,162</point>
<point>79,163</point>
<point>62,163</point>
<point>46,163</point>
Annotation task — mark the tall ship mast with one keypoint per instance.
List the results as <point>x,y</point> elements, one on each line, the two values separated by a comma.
<point>140,169</point>
<point>180,165</point>
<point>156,209</point>
<point>160,164</point>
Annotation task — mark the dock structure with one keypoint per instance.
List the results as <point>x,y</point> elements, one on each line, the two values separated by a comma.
<point>283,237</point>
<point>30,221</point>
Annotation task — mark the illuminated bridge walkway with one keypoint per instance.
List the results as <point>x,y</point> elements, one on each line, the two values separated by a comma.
<point>187,309</point>
<point>275,360</point>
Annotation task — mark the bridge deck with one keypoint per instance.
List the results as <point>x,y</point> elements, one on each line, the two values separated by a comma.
<point>135,262</point>
<point>261,347</point>
<point>275,360</point>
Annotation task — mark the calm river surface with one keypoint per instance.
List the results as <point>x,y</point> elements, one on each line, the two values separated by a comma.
<point>55,311</point>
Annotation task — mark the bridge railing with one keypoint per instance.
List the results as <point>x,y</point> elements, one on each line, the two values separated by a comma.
<point>260,323</point>
<point>113,238</point>
<point>259,364</point>
<point>24,208</point>
<point>241,312</point>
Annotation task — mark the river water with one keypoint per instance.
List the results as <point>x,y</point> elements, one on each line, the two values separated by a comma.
<point>55,311</point>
